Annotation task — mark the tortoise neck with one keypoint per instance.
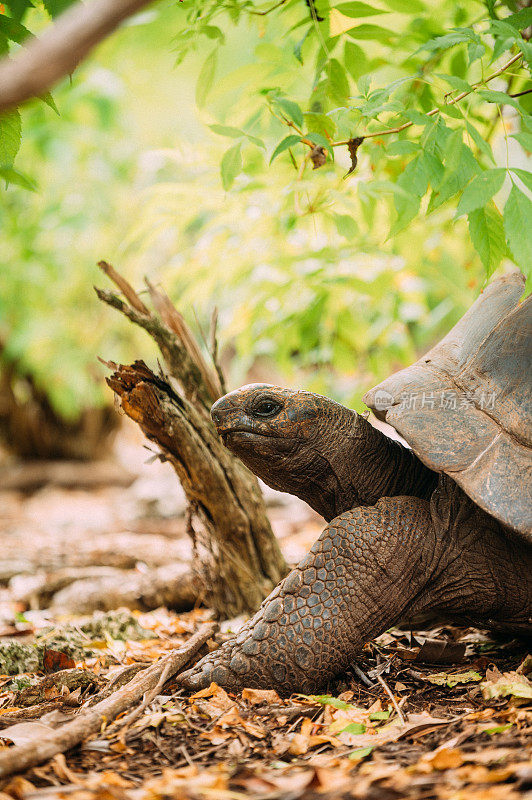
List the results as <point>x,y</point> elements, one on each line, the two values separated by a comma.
<point>361,467</point>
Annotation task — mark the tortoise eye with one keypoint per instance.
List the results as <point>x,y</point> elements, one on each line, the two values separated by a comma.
<point>267,408</point>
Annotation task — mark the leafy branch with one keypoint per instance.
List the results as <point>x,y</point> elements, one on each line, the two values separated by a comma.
<point>398,128</point>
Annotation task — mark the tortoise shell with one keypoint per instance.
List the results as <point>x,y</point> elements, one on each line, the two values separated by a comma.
<point>465,407</point>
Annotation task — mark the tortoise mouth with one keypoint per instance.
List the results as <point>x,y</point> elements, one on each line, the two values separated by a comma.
<point>242,434</point>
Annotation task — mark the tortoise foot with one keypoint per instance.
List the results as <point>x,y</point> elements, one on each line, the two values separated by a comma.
<point>312,624</point>
<point>278,647</point>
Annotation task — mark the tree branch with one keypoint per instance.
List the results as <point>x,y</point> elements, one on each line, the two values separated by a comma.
<point>44,61</point>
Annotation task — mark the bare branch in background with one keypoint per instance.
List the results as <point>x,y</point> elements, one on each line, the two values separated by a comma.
<point>44,61</point>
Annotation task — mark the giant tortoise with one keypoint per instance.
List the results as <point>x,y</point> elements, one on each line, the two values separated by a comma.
<point>445,526</point>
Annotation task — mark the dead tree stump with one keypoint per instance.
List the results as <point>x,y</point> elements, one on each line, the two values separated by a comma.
<point>239,561</point>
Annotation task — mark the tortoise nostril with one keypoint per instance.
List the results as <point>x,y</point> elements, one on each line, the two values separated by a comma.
<point>217,412</point>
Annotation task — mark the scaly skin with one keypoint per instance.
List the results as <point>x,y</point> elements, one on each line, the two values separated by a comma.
<point>372,565</point>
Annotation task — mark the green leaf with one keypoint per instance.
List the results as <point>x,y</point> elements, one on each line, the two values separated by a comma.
<point>414,178</point>
<point>345,225</point>
<point>10,136</point>
<point>364,84</point>
<point>406,6</point>
<point>338,83</point>
<point>457,36</point>
<point>13,30</point>
<point>407,209</point>
<point>359,10</point>
<point>328,700</point>
<point>504,32</point>
<point>56,7</point>
<point>291,109</point>
<point>475,50</point>
<point>524,139</point>
<point>497,729</point>
<point>361,752</point>
<point>320,140</point>
<point>227,130</point>
<point>375,32</point>
<point>457,83</point>
<point>499,97</point>
<point>526,49</point>
<point>355,60</point>
<point>287,142</point>
<point>451,111</point>
<point>465,167</point>
<point>480,190</point>
<point>212,32</point>
<point>255,140</point>
<point>524,175</point>
<point>379,715</point>
<point>320,123</point>
<point>19,7</point>
<point>49,100</point>
<point>481,143</point>
<point>517,225</point>
<point>434,169</point>
<point>487,234</point>
<point>414,182</point>
<point>298,47</point>
<point>402,147</point>
<point>206,78</point>
<point>354,728</point>
<point>11,175</point>
<point>231,166</point>
<point>521,19</point>
<point>453,151</point>
<point>236,133</point>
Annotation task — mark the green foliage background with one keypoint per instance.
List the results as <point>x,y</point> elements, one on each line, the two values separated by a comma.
<point>183,151</point>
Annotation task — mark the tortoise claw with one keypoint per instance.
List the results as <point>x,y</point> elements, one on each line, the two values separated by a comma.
<point>215,668</point>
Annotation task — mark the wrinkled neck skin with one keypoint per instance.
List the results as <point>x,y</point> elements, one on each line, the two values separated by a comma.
<point>355,465</point>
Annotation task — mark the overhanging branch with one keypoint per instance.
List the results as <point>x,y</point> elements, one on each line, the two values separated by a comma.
<point>44,61</point>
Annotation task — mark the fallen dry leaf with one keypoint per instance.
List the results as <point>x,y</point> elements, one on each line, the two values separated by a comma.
<point>444,758</point>
<point>25,732</point>
<point>305,740</point>
<point>55,661</point>
<point>451,679</point>
<point>258,696</point>
<point>18,787</point>
<point>433,651</point>
<point>506,684</point>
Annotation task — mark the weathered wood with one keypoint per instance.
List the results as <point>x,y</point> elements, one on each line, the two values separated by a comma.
<point>245,562</point>
<point>89,721</point>
<point>241,561</point>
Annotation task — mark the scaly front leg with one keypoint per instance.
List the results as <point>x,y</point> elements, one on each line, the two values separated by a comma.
<point>358,579</point>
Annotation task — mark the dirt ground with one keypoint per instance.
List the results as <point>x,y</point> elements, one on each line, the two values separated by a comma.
<point>438,713</point>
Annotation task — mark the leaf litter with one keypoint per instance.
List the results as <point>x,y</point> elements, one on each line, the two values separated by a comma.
<point>460,733</point>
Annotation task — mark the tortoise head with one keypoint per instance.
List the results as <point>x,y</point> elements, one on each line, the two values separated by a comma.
<point>290,439</point>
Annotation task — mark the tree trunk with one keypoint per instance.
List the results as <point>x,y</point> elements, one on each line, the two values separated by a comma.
<point>239,560</point>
